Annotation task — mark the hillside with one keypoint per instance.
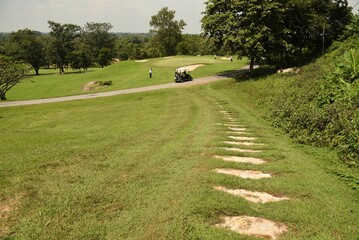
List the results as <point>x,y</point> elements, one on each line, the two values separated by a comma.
<point>319,105</point>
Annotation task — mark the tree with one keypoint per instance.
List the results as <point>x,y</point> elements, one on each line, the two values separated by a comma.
<point>80,57</point>
<point>250,27</point>
<point>97,37</point>
<point>104,57</point>
<point>168,32</point>
<point>11,73</point>
<point>275,30</point>
<point>26,45</point>
<point>63,42</point>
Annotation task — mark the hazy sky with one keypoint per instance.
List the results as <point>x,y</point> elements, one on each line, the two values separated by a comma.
<point>124,15</point>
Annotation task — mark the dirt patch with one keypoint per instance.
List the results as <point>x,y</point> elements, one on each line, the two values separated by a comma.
<point>242,150</point>
<point>242,138</point>
<point>255,161</point>
<point>252,226</point>
<point>142,61</point>
<point>243,173</point>
<point>244,143</point>
<point>7,206</point>
<point>256,197</point>
<point>91,86</point>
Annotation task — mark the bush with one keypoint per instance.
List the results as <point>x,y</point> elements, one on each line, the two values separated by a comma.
<point>105,83</point>
<point>324,110</point>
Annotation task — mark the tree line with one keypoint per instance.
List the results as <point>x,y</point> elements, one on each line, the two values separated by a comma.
<point>69,45</point>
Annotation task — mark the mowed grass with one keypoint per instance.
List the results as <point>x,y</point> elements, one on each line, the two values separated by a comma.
<point>124,75</point>
<point>140,166</point>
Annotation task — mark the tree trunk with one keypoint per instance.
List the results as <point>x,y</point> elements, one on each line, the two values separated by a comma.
<point>251,65</point>
<point>2,97</point>
<point>36,71</point>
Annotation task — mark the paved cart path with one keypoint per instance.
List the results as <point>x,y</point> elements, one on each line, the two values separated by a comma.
<point>112,93</point>
<point>197,81</point>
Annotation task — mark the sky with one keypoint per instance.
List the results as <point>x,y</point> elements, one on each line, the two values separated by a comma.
<point>124,15</point>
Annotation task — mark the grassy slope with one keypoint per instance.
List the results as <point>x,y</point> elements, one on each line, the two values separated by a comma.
<point>140,167</point>
<point>124,75</point>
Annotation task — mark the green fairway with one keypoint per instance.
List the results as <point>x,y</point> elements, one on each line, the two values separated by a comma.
<point>140,166</point>
<point>124,75</point>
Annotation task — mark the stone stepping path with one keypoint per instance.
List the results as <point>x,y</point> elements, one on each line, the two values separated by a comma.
<point>241,150</point>
<point>240,133</point>
<point>251,160</point>
<point>243,173</point>
<point>256,197</point>
<point>242,138</point>
<point>237,129</point>
<point>229,124</point>
<point>253,226</point>
<point>243,143</point>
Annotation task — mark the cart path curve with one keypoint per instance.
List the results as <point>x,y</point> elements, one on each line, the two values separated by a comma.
<point>197,81</point>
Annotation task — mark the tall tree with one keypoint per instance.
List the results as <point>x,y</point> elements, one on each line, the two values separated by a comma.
<point>271,29</point>
<point>63,42</point>
<point>168,32</point>
<point>26,45</point>
<point>250,27</point>
<point>98,37</point>
<point>11,73</point>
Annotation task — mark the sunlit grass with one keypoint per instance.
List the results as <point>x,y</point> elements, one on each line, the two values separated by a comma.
<point>140,166</point>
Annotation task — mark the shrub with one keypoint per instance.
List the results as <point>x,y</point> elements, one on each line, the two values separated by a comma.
<point>105,83</point>
<point>324,110</point>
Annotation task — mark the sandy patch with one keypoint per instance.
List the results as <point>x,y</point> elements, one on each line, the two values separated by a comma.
<point>252,226</point>
<point>142,61</point>
<point>244,143</point>
<point>243,138</point>
<point>90,86</point>
<point>255,161</point>
<point>256,197</point>
<point>241,150</point>
<point>190,68</point>
<point>168,57</point>
<point>226,58</point>
<point>243,173</point>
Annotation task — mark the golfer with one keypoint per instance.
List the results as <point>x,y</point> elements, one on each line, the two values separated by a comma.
<point>150,72</point>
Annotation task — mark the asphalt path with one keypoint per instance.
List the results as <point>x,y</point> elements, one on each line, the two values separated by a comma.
<point>198,81</point>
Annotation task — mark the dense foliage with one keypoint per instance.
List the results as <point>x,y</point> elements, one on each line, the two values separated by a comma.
<point>279,32</point>
<point>321,105</point>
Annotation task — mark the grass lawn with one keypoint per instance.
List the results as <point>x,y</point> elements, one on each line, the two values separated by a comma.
<point>124,75</point>
<point>140,166</point>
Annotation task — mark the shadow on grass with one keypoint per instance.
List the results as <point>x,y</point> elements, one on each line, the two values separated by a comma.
<point>244,74</point>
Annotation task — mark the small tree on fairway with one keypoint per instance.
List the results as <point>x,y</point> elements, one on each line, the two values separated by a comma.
<point>11,73</point>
